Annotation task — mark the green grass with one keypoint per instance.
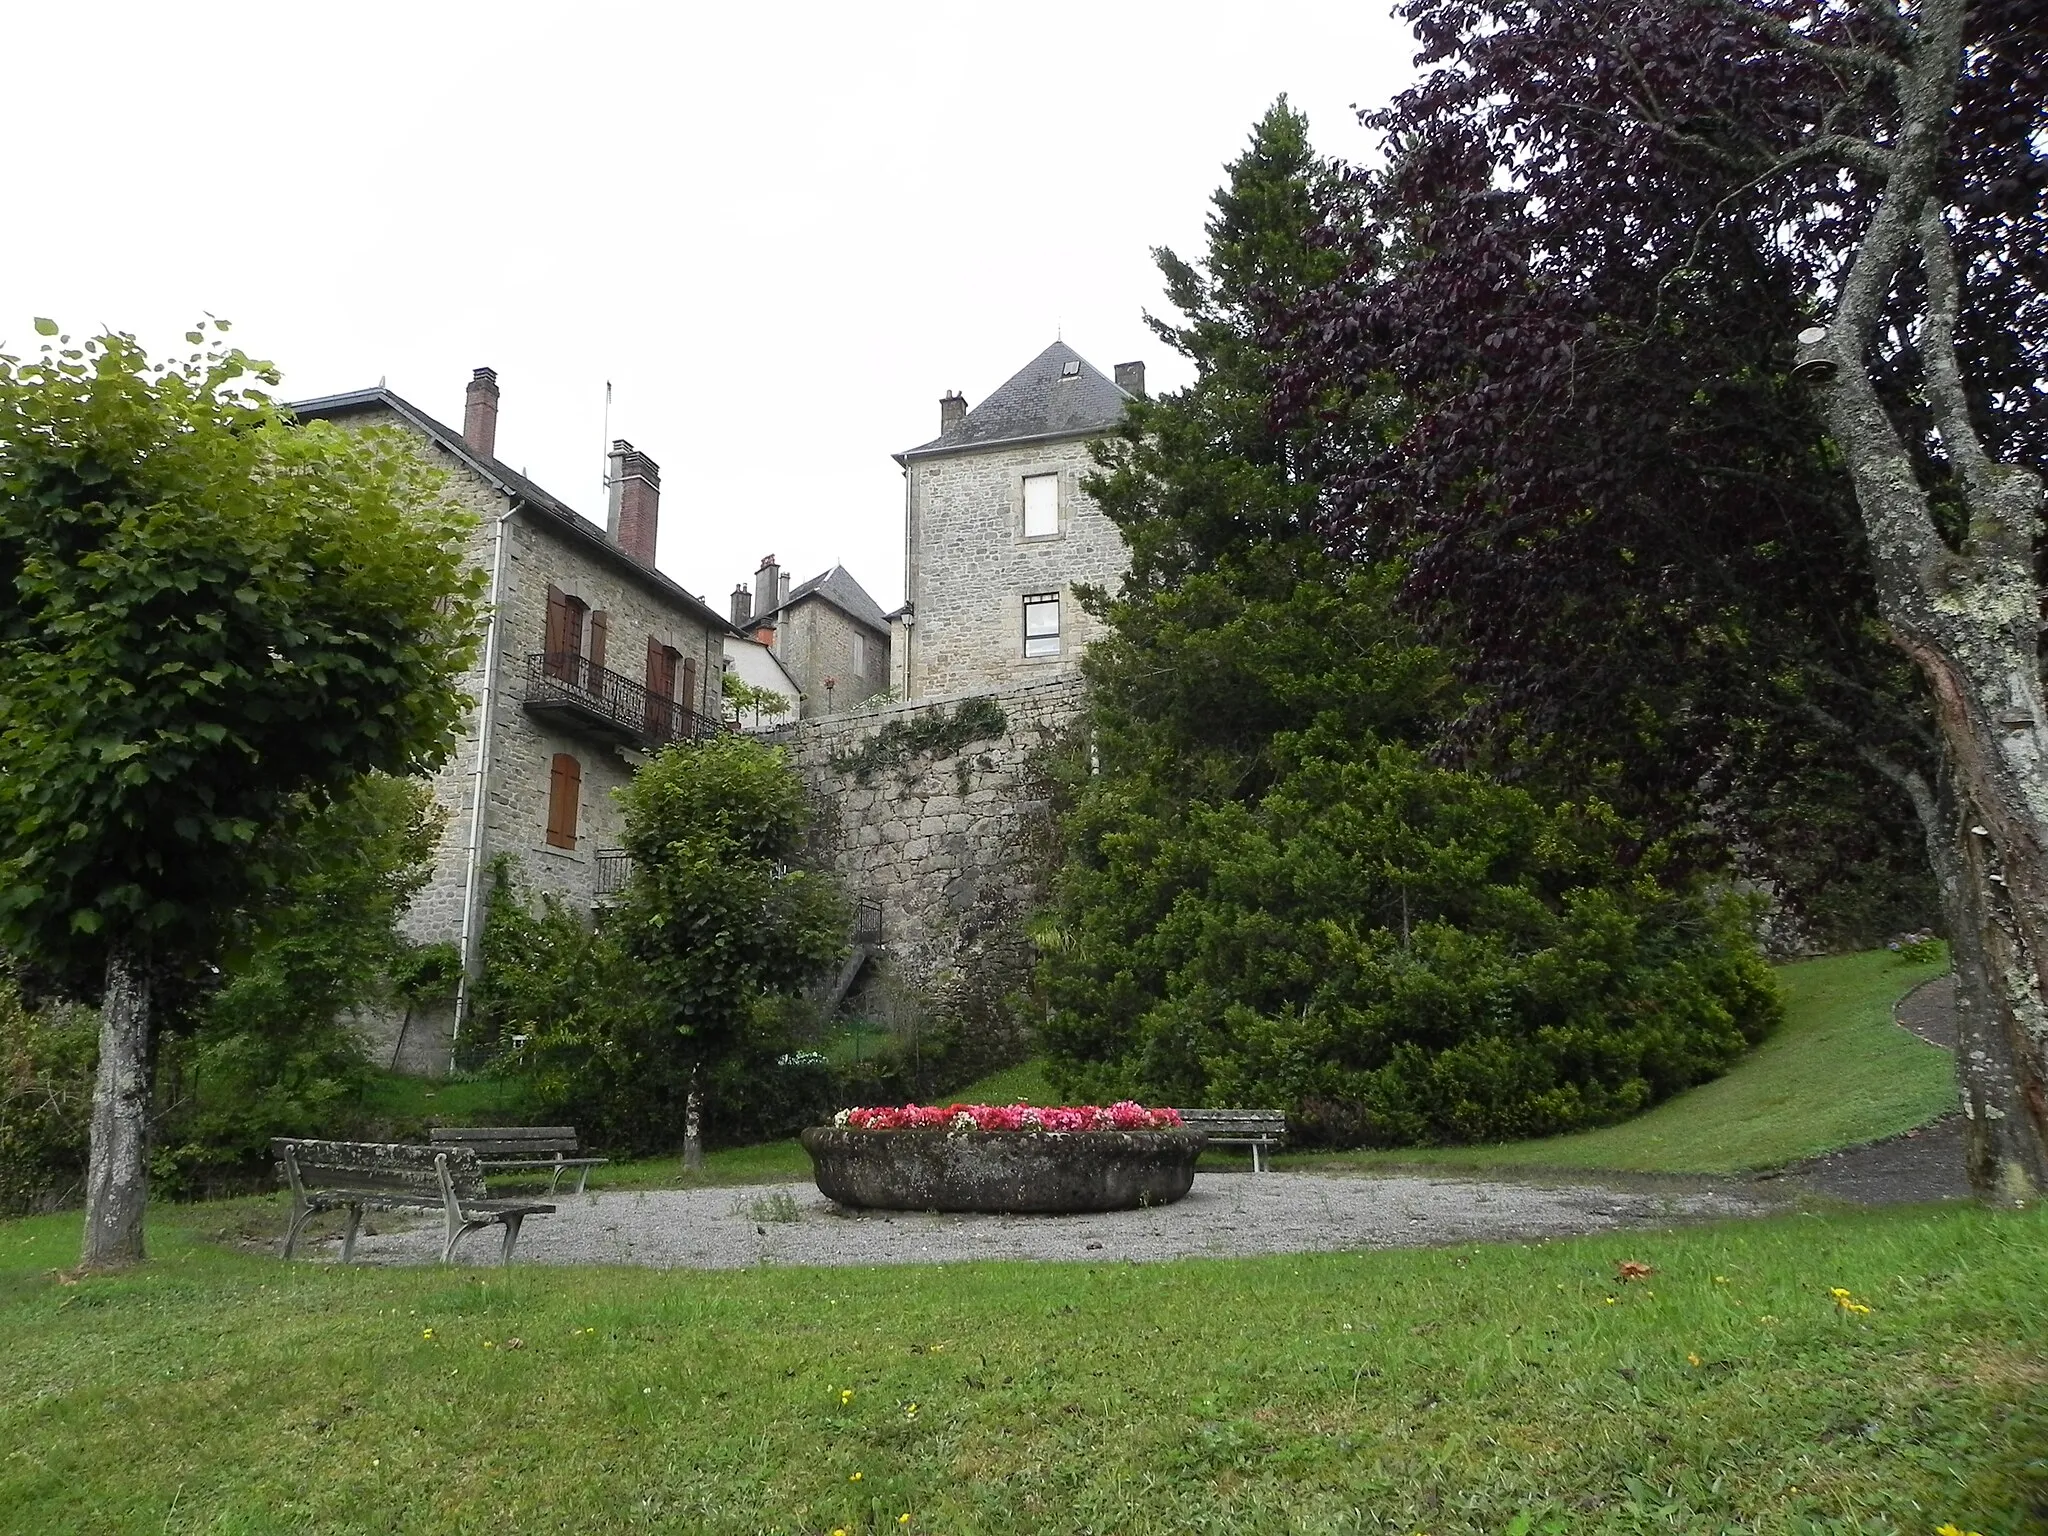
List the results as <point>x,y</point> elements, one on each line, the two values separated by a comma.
<point>1838,1073</point>
<point>1449,1391</point>
<point>447,1101</point>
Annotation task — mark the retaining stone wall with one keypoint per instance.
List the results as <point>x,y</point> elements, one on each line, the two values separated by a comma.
<point>953,849</point>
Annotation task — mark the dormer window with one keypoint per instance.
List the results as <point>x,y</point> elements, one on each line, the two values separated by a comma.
<point>1071,370</point>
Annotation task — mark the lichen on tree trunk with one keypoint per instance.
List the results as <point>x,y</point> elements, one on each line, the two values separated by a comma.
<point>117,1182</point>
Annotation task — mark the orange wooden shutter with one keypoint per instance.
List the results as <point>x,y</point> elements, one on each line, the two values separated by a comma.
<point>600,628</point>
<point>557,639</point>
<point>565,797</point>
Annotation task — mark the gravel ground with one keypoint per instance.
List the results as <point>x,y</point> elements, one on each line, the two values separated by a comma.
<point>1225,1214</point>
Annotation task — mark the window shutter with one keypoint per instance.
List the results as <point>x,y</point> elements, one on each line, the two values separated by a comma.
<point>556,643</point>
<point>600,629</point>
<point>565,797</point>
<point>688,697</point>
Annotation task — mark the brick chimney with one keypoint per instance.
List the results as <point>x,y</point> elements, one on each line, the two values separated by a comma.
<point>766,586</point>
<point>1130,378</point>
<point>742,605</point>
<point>480,414</point>
<point>635,510</point>
<point>952,410</point>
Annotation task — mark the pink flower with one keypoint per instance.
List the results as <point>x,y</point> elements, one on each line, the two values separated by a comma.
<point>1121,1116</point>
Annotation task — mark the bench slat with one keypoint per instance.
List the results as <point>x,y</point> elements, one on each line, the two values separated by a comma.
<point>467,1133</point>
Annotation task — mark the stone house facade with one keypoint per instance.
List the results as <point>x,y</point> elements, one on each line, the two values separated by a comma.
<point>828,635</point>
<point>998,531</point>
<point>591,659</point>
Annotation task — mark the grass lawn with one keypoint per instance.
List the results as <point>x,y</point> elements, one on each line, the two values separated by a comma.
<point>1446,1391</point>
<point>1839,1072</point>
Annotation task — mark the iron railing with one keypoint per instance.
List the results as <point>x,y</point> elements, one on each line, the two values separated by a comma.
<point>867,923</point>
<point>568,687</point>
<point>614,869</point>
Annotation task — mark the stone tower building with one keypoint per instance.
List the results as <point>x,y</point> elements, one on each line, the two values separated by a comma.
<point>998,531</point>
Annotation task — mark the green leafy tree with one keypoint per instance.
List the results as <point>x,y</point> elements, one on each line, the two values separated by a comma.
<point>213,613</point>
<point>1273,891</point>
<point>717,915</point>
<point>684,987</point>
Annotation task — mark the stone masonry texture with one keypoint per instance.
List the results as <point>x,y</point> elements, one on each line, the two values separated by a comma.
<point>952,849</point>
<point>970,566</point>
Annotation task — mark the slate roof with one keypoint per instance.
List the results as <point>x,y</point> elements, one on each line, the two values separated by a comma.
<point>1040,400</point>
<point>838,588</point>
<point>551,512</point>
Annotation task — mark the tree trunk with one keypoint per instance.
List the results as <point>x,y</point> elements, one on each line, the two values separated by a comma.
<point>1987,851</point>
<point>1970,618</point>
<point>117,1174</point>
<point>693,1115</point>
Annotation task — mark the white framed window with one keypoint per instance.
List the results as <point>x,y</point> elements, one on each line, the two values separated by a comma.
<point>1041,506</point>
<point>1042,624</point>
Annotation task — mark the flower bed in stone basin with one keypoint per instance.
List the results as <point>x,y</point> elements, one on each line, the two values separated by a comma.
<point>1012,1158</point>
<point>1121,1116</point>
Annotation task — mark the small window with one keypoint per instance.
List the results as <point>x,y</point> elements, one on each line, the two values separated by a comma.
<point>1041,506</point>
<point>860,652</point>
<point>565,800</point>
<point>1042,624</point>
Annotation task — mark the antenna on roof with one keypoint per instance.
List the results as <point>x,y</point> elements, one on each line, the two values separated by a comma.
<point>606,479</point>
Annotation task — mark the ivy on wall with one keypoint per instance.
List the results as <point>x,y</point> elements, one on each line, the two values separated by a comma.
<point>936,733</point>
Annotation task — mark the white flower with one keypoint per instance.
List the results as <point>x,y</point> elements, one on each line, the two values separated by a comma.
<point>841,1117</point>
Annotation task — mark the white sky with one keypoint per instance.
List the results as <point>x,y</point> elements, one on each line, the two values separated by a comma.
<point>781,231</point>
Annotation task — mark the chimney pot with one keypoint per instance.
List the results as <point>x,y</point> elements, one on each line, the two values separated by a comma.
<point>766,586</point>
<point>1130,378</point>
<point>952,410</point>
<point>480,413</point>
<point>742,605</point>
<point>633,513</point>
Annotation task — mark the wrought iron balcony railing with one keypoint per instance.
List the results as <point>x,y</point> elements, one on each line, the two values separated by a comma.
<point>565,687</point>
<point>614,869</point>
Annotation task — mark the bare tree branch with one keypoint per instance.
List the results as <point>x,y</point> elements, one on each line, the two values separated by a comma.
<point>1938,355</point>
<point>1909,781</point>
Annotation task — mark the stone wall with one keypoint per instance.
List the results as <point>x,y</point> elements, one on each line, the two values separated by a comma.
<point>954,849</point>
<point>971,566</point>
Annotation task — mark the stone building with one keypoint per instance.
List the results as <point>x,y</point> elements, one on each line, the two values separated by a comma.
<point>827,634</point>
<point>998,531</point>
<point>591,659</point>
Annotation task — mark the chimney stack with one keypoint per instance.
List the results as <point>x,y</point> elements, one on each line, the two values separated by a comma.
<point>952,410</point>
<point>766,586</point>
<point>1130,378</point>
<point>742,605</point>
<point>634,513</point>
<point>781,588</point>
<point>480,414</point>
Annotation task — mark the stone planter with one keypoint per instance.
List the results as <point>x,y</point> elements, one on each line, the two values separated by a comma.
<point>1034,1172</point>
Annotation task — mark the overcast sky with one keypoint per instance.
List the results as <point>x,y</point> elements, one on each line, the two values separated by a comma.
<point>780,231</point>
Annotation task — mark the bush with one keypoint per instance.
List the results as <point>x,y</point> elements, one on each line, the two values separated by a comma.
<point>47,1056</point>
<point>1394,952</point>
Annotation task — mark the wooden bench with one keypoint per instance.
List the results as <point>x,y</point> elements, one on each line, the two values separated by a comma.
<point>521,1149</point>
<point>1254,1128</point>
<point>359,1176</point>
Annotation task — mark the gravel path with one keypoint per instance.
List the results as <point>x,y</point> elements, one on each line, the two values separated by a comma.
<point>1225,1214</point>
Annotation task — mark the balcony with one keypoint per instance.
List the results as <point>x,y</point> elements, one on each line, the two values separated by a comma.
<point>614,869</point>
<point>566,690</point>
